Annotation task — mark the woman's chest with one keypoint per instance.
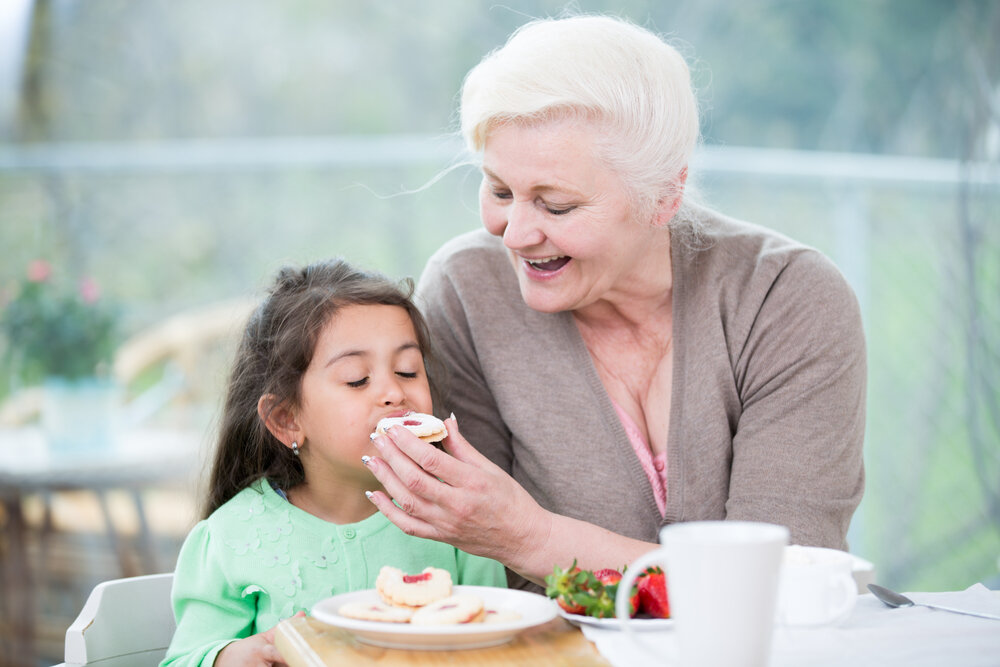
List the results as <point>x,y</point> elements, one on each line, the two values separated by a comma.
<point>638,378</point>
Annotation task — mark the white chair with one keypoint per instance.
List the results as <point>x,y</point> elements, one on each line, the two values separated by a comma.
<point>124,622</point>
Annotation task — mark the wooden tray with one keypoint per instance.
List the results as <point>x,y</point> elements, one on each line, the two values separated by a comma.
<point>306,642</point>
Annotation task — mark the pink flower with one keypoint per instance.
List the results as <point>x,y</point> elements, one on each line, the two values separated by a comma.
<point>90,292</point>
<point>39,271</point>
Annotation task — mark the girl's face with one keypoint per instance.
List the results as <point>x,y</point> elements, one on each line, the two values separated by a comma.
<point>564,216</point>
<point>367,365</point>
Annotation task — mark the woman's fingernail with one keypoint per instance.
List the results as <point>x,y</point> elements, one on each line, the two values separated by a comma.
<point>372,436</point>
<point>368,495</point>
<point>366,459</point>
<point>453,418</point>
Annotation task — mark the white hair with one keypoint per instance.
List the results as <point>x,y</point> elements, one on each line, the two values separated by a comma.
<point>608,70</point>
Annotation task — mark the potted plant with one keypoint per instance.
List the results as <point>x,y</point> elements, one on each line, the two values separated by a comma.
<point>63,336</point>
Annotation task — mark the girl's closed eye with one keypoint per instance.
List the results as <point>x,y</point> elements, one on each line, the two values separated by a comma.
<point>358,383</point>
<point>409,375</point>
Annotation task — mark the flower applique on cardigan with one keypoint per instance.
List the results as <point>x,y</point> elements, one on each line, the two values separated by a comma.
<point>245,543</point>
<point>266,542</point>
<point>326,554</point>
<point>281,528</point>
<point>252,509</point>
<point>291,584</point>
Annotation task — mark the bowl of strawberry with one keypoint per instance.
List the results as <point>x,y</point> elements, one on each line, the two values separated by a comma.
<point>587,597</point>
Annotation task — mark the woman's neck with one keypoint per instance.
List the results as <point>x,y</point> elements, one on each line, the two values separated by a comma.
<point>636,311</point>
<point>623,315</point>
<point>639,301</point>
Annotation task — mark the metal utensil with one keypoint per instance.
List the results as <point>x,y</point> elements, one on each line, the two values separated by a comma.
<point>894,599</point>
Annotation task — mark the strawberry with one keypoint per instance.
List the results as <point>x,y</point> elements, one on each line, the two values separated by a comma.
<point>585,592</point>
<point>608,575</point>
<point>570,588</point>
<point>604,600</point>
<point>653,599</point>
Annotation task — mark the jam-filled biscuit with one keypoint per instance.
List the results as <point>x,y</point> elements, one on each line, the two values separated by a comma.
<point>426,427</point>
<point>501,616</point>
<point>412,590</point>
<point>376,611</point>
<point>452,610</point>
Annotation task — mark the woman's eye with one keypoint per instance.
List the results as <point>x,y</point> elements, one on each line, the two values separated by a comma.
<point>358,383</point>
<point>559,211</point>
<point>501,194</point>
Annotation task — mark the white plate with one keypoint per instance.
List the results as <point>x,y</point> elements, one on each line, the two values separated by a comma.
<point>637,624</point>
<point>534,610</point>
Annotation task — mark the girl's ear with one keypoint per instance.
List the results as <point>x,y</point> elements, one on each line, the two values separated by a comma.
<point>279,419</point>
<point>667,208</point>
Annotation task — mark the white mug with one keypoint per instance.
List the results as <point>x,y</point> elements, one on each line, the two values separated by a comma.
<point>722,584</point>
<point>817,587</point>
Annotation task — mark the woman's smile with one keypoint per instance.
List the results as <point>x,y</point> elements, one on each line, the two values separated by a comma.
<point>545,268</point>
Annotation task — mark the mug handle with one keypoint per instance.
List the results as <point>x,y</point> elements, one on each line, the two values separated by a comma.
<point>632,572</point>
<point>849,592</point>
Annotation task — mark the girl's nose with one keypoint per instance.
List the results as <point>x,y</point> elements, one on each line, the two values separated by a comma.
<point>391,392</point>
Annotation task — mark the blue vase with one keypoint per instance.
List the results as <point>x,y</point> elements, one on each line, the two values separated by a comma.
<point>78,414</point>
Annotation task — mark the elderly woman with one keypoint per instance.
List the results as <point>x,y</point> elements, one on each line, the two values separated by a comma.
<point>620,358</point>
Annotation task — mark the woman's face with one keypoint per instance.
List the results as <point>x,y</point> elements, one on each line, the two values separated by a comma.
<point>367,365</point>
<point>563,215</point>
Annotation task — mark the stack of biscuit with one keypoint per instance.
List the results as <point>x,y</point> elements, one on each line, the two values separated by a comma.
<point>422,599</point>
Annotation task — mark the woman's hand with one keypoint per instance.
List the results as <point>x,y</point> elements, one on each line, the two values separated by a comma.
<point>459,497</point>
<point>256,651</point>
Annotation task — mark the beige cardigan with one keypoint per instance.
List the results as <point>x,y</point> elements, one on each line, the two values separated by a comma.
<point>767,415</point>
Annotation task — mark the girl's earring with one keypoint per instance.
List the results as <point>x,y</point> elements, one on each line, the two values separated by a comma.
<point>295,448</point>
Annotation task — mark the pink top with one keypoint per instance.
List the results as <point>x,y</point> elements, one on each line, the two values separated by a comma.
<point>654,466</point>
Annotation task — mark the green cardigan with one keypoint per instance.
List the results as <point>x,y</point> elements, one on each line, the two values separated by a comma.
<point>259,559</point>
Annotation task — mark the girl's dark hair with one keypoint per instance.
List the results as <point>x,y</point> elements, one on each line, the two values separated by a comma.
<point>274,353</point>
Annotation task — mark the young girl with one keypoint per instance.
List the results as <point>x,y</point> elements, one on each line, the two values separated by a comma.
<point>329,353</point>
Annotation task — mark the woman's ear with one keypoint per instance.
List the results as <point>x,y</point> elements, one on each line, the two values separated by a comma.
<point>667,208</point>
<point>279,419</point>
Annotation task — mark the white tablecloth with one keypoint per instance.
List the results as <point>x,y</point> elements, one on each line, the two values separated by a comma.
<point>873,636</point>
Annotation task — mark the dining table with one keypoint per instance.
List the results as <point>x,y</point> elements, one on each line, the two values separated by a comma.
<point>131,460</point>
<point>874,635</point>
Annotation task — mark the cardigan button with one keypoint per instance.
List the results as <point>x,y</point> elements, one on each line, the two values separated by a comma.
<point>349,533</point>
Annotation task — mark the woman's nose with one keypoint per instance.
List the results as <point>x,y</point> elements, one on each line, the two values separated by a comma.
<point>522,229</point>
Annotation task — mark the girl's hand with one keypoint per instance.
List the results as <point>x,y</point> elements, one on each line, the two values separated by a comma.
<point>255,651</point>
<point>459,497</point>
